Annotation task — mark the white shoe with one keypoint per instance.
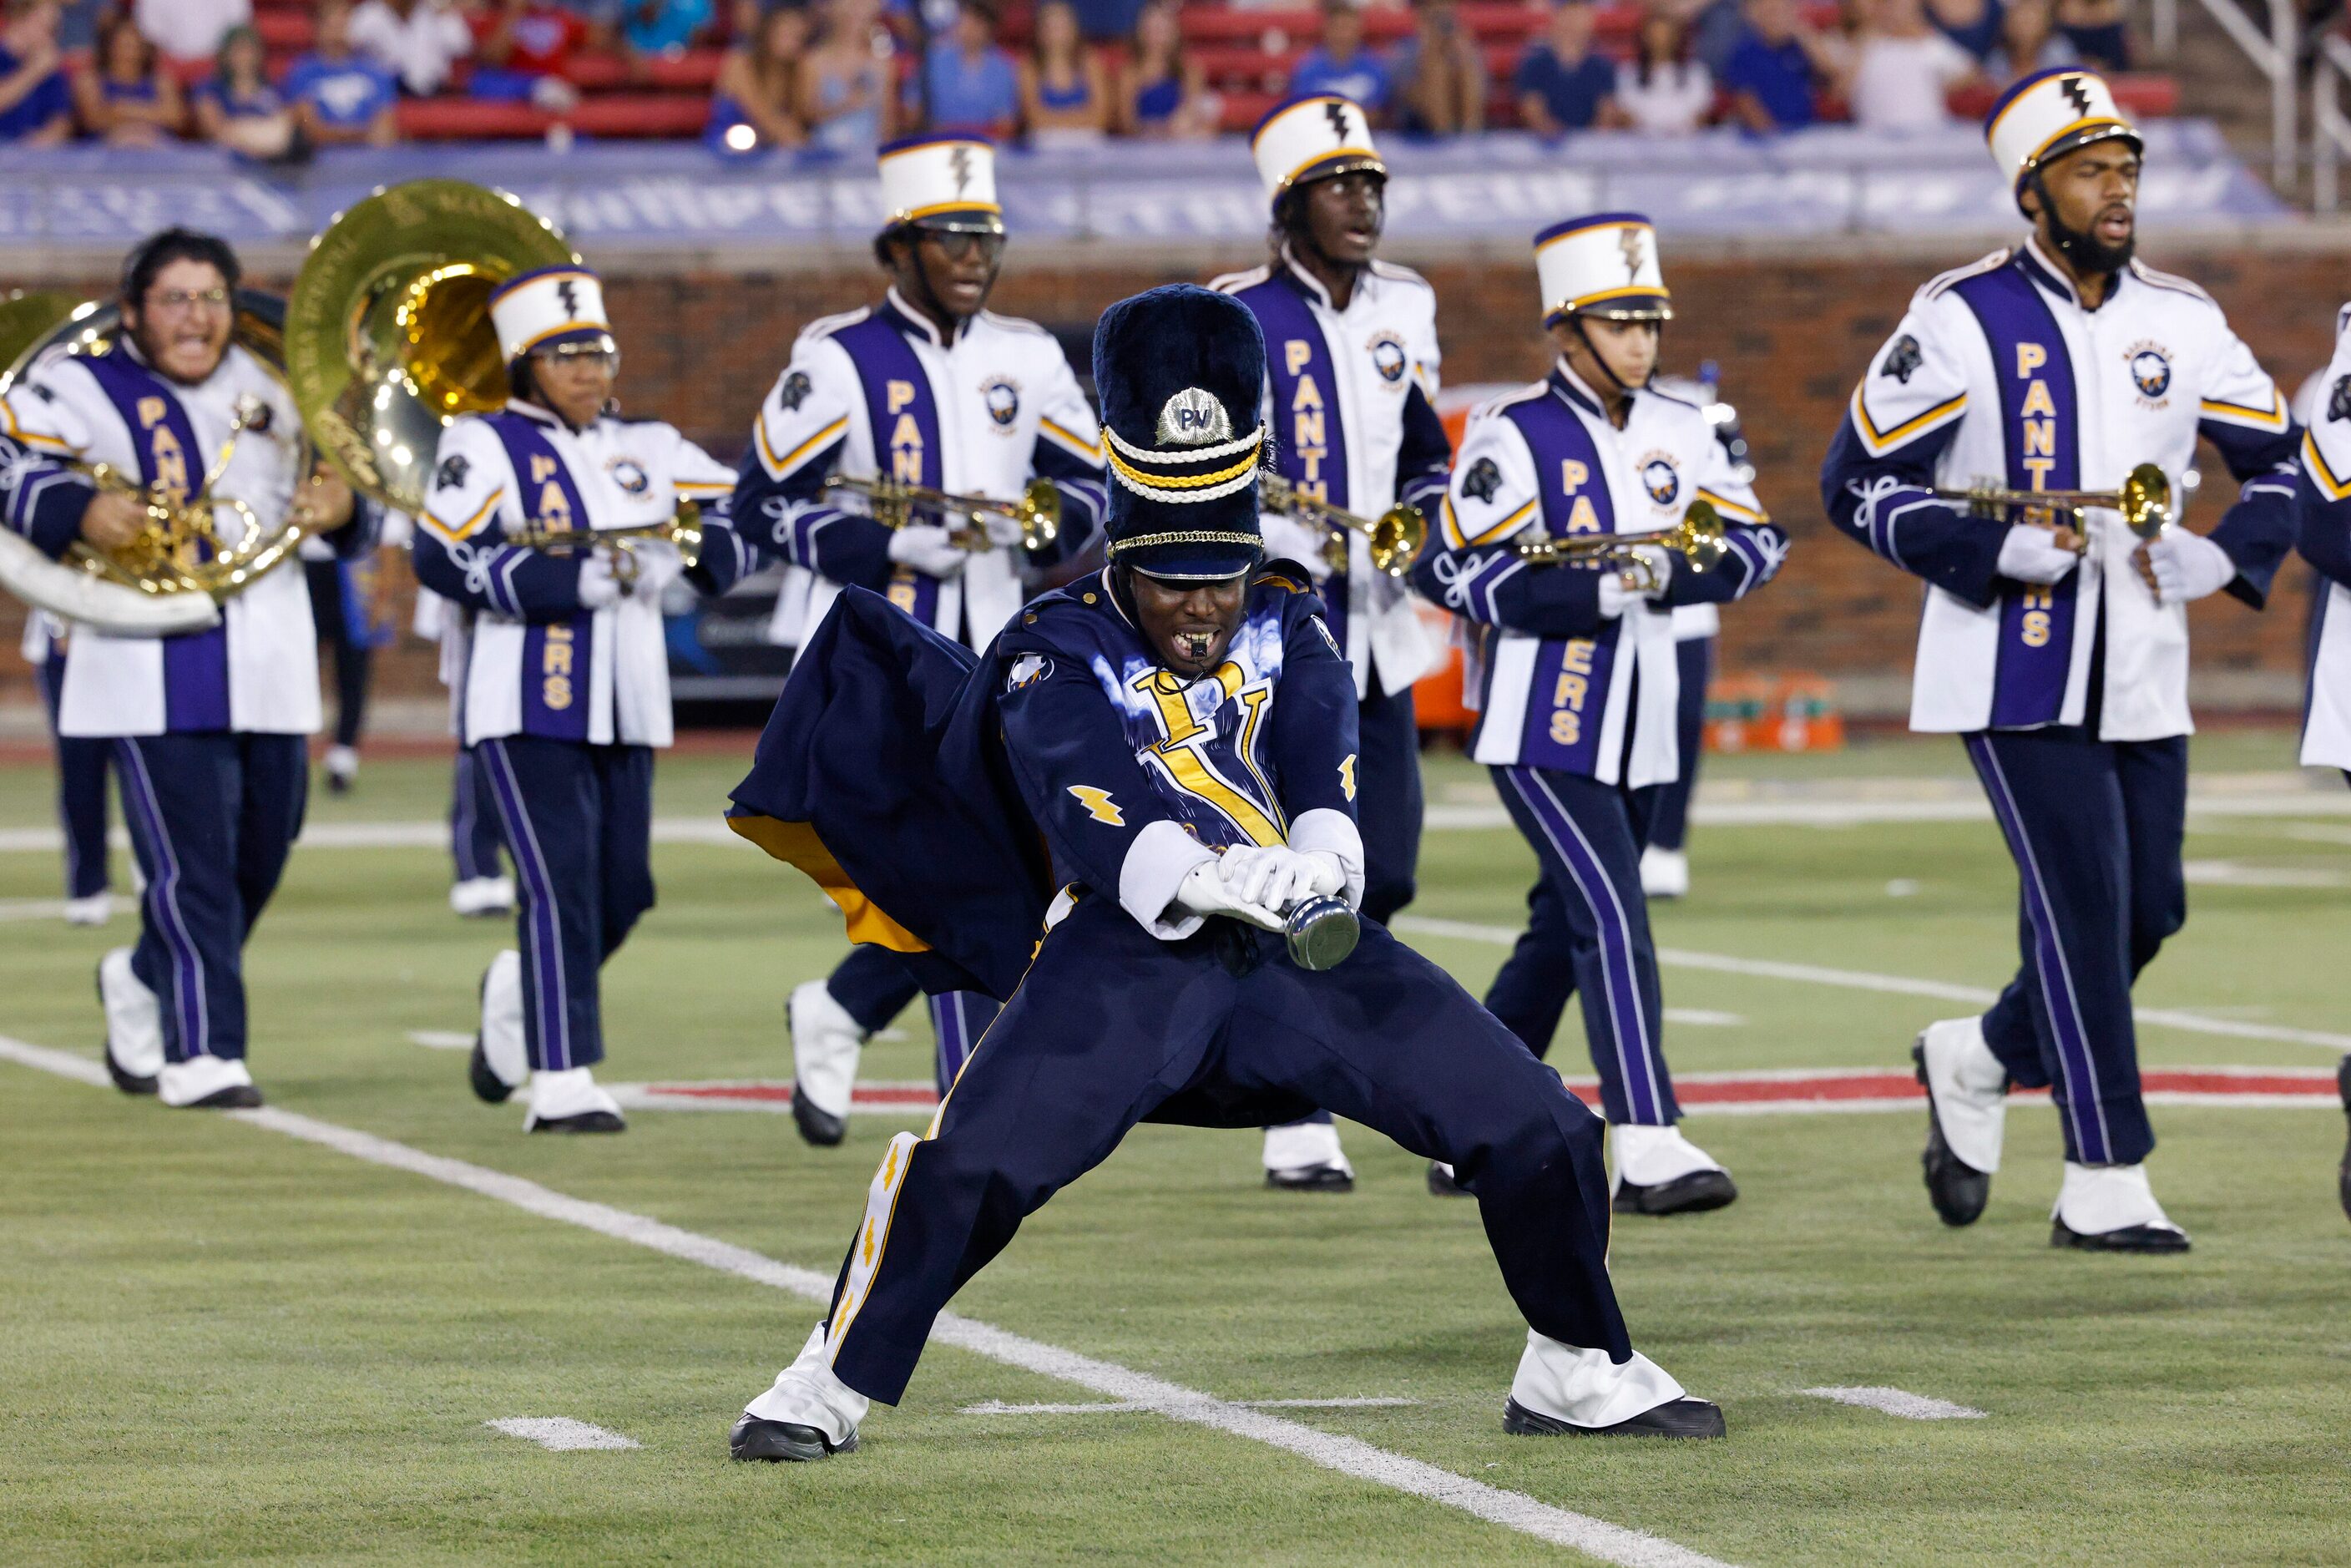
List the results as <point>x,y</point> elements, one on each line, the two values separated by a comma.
<point>570,1102</point>
<point>95,909</point>
<point>826,1046</point>
<point>2112,1209</point>
<point>1652,1156</point>
<point>1969,1090</point>
<point>1306,1156</point>
<point>203,1081</point>
<point>804,1395</point>
<point>134,1024</point>
<point>1665,874</point>
<point>342,767</point>
<point>483,895</point>
<point>1561,1388</point>
<point>505,1055</point>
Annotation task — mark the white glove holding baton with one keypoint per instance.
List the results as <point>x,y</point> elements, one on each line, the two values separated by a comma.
<point>930,548</point>
<point>1205,890</point>
<point>1279,877</point>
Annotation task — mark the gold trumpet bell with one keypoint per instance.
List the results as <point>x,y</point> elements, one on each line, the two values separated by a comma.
<point>1039,513</point>
<point>1699,537</point>
<point>2147,500</point>
<point>1395,538</point>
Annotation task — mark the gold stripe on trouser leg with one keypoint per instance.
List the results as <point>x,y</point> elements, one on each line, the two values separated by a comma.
<point>873,1239</point>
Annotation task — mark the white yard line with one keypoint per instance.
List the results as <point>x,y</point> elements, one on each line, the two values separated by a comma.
<point>1895,1402</point>
<point>1703,1018</point>
<point>561,1433</point>
<point>32,909</point>
<point>1897,985</point>
<point>1124,1407</point>
<point>1348,1456</point>
<point>440,1039</point>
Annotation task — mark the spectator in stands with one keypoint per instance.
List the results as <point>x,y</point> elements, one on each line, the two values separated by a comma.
<point>1562,85</point>
<point>340,98</point>
<point>1661,89</point>
<point>845,82</point>
<point>127,99</point>
<point>524,48</point>
<point>2029,44</point>
<point>1065,98</point>
<point>1442,73</point>
<point>35,103</point>
<point>2095,28</point>
<point>663,29</point>
<point>969,83</point>
<point>1973,25</point>
<point>1108,21</point>
<point>1777,71</point>
<point>237,109</point>
<point>1163,91</point>
<point>1902,68</point>
<point>417,41</point>
<point>1340,64</point>
<point>190,29</point>
<point>757,103</point>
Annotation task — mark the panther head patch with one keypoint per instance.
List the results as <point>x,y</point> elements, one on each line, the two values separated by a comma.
<point>2338,402</point>
<point>1902,358</point>
<point>794,392</point>
<point>451,475</point>
<point>1482,480</point>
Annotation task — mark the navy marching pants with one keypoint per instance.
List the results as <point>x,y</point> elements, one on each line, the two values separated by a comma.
<point>1670,823</point>
<point>334,616</point>
<point>2095,828</point>
<point>873,985</point>
<point>473,819</point>
<point>212,819</point>
<point>1111,1027</point>
<point>579,821</point>
<point>1588,931</point>
<point>81,789</point>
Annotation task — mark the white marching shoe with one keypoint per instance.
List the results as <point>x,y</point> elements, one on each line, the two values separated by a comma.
<point>342,769</point>
<point>808,1414</point>
<point>2111,1209</point>
<point>1665,874</point>
<point>134,1025</point>
<point>1560,1390</point>
<point>1966,1107</point>
<point>91,909</point>
<point>826,1046</point>
<point>478,896</point>
<point>501,1058</point>
<point>1658,1171</point>
<point>207,1083</point>
<point>1305,1156</point>
<point>572,1102</point>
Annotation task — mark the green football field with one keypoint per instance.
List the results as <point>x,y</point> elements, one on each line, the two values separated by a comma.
<point>284,1335</point>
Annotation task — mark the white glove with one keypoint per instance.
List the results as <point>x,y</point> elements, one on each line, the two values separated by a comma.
<point>597,586</point>
<point>1204,891</point>
<point>1002,532</point>
<point>1287,539</point>
<point>2187,566</point>
<point>929,547</point>
<point>656,565</point>
<point>1276,876</point>
<point>1615,597</point>
<point>2034,555</point>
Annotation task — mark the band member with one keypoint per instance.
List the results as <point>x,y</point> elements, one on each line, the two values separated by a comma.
<point>208,727</point>
<point>1579,680</point>
<point>2323,502</point>
<point>1351,368</point>
<point>2061,655</point>
<point>927,388</point>
<point>480,888</point>
<point>342,617</point>
<point>563,690</point>
<point>1665,862</point>
<point>81,779</point>
<point>1173,739</point>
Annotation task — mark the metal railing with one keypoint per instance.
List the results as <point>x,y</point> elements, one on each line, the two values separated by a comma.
<point>2330,129</point>
<point>2271,47</point>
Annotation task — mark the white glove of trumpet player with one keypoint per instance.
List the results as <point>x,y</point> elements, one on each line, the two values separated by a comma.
<point>930,548</point>
<point>598,584</point>
<point>1278,877</point>
<point>2030,554</point>
<point>2182,567</point>
<point>1205,890</point>
<point>1003,532</point>
<point>1647,580</point>
<point>1287,539</point>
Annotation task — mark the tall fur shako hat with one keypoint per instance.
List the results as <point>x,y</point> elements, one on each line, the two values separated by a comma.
<point>550,307</point>
<point>2050,113</point>
<point>1313,136</point>
<point>945,181</point>
<point>1181,370</point>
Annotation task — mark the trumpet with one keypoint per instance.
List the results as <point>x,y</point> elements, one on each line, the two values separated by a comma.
<point>684,530</point>
<point>1395,535</point>
<point>2144,501</point>
<point>1697,539</point>
<point>894,504</point>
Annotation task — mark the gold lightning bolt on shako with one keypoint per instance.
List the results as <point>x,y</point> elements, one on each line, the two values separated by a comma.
<point>2049,114</point>
<point>1605,264</point>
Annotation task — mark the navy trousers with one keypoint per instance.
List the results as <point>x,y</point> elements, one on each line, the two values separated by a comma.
<point>1588,931</point>
<point>473,819</point>
<point>81,791</point>
<point>2095,828</point>
<point>873,985</point>
<point>1112,1027</point>
<point>334,616</point>
<point>578,820</point>
<point>1670,823</point>
<point>212,819</point>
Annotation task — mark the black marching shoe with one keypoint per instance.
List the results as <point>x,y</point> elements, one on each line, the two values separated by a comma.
<point>1692,1194</point>
<point>2343,1083</point>
<point>777,1441</point>
<point>236,1097</point>
<point>1957,1190</point>
<point>586,1122</point>
<point>489,1087</point>
<point>1683,1418</point>
<point>817,1125</point>
<point>2129,1238</point>
<point>131,1083</point>
<point>1443,1184</point>
<point>1312,1179</point>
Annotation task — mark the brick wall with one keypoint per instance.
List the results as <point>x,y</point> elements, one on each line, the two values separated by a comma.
<point>1790,336</point>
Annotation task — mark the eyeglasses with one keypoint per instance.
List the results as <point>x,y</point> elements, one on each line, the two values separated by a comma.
<point>589,356</point>
<point>957,245</point>
<point>187,298</point>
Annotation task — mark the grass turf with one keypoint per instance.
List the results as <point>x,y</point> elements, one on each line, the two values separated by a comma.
<point>220,1343</point>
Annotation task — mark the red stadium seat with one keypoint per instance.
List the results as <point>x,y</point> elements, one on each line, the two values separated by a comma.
<point>620,115</point>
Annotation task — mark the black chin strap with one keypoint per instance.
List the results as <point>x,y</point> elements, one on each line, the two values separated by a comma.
<point>1623,393</point>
